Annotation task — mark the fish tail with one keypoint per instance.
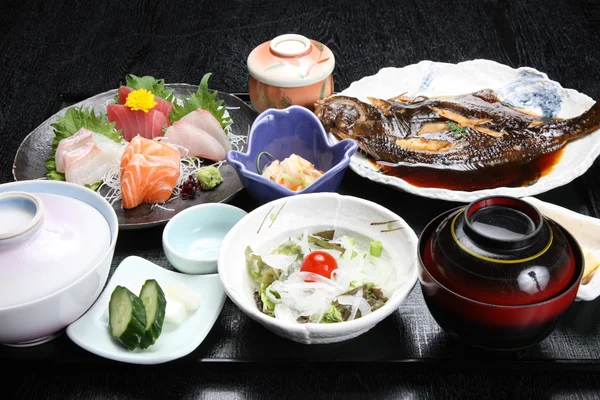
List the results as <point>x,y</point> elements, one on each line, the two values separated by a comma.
<point>581,125</point>
<point>589,121</point>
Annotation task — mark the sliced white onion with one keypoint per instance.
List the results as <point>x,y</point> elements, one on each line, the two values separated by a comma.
<point>279,261</point>
<point>285,313</point>
<point>277,286</point>
<point>304,243</point>
<point>355,302</point>
<point>364,307</point>
<point>346,300</point>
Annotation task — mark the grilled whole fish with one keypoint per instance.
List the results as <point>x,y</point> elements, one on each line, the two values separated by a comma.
<point>466,132</point>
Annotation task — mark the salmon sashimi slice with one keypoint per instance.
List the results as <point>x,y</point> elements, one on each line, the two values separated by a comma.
<point>149,172</point>
<point>148,125</point>
<point>197,141</point>
<point>162,105</point>
<point>207,122</point>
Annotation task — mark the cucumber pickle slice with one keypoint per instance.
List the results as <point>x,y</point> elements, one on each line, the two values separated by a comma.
<point>127,317</point>
<point>155,304</point>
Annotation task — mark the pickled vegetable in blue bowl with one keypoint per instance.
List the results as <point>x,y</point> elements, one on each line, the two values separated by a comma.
<point>277,135</point>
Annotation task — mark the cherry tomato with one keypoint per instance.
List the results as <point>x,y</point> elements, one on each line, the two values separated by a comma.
<point>319,262</point>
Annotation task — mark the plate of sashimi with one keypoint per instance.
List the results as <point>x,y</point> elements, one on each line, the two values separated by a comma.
<point>151,149</point>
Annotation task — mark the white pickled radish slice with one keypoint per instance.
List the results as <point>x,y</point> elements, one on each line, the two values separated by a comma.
<point>175,312</point>
<point>181,293</point>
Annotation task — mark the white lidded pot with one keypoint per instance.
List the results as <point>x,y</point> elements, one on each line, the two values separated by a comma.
<point>57,241</point>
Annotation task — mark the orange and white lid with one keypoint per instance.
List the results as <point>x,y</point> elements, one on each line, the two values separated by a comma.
<point>291,61</point>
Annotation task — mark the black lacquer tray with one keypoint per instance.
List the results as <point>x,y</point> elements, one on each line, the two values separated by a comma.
<point>408,339</point>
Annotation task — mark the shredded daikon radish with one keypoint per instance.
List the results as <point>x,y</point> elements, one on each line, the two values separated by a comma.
<point>162,207</point>
<point>110,188</point>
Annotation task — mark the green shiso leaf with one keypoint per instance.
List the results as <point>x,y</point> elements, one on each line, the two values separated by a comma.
<point>204,99</point>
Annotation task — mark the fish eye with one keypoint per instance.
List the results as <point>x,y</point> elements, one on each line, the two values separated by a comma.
<point>346,119</point>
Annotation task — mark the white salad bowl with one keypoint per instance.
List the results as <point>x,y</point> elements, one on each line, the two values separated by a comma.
<point>270,224</point>
<point>57,241</point>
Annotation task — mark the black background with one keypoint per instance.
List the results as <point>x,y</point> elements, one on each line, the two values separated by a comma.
<point>49,48</point>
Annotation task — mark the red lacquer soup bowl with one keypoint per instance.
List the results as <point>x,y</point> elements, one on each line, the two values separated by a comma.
<point>497,273</point>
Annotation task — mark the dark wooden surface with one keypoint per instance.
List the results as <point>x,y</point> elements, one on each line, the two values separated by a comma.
<point>83,48</point>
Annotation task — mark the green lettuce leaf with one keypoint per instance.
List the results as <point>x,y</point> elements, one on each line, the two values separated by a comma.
<point>263,275</point>
<point>333,314</point>
<point>204,99</point>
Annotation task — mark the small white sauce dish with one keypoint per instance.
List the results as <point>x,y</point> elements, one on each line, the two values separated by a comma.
<point>192,239</point>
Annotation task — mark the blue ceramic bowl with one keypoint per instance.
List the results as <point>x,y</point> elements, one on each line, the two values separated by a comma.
<point>192,239</point>
<point>294,130</point>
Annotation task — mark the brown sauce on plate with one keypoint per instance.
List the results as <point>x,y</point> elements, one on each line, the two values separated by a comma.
<point>468,181</point>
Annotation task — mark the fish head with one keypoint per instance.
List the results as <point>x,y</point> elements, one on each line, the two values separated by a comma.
<point>348,117</point>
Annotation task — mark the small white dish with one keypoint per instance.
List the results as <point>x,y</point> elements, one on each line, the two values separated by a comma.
<point>585,229</point>
<point>291,216</point>
<point>191,240</point>
<point>91,331</point>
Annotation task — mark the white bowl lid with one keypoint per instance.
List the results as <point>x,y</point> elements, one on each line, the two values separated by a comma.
<point>291,61</point>
<point>47,242</point>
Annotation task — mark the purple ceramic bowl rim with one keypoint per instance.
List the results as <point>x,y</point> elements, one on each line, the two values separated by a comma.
<point>565,292</point>
<point>344,162</point>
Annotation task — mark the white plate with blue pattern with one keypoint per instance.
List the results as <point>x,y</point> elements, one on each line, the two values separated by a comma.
<point>523,87</point>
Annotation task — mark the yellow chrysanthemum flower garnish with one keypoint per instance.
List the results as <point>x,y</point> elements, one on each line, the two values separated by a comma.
<point>140,99</point>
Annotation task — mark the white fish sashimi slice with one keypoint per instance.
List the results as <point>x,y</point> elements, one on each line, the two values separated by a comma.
<point>89,163</point>
<point>207,122</point>
<point>78,139</point>
<point>183,151</point>
<point>197,141</point>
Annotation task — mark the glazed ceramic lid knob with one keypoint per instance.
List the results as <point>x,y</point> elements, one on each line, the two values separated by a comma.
<point>47,242</point>
<point>290,61</point>
<point>502,250</point>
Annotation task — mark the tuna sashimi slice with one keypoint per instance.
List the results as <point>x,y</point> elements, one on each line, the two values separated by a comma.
<point>162,105</point>
<point>207,122</point>
<point>66,145</point>
<point>119,114</point>
<point>149,172</point>
<point>148,125</point>
<point>197,141</point>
